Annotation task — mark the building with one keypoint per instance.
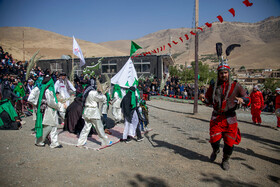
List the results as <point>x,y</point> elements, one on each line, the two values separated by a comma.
<point>156,65</point>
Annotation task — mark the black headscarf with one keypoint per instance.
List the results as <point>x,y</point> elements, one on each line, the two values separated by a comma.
<point>126,105</point>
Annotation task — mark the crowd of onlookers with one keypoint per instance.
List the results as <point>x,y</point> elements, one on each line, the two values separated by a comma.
<point>172,87</point>
<point>15,72</point>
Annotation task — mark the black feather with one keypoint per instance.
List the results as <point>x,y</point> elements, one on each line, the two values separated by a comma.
<point>231,47</point>
<point>219,49</point>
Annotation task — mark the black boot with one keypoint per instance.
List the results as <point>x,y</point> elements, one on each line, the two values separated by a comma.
<point>216,150</point>
<point>214,155</point>
<point>225,162</point>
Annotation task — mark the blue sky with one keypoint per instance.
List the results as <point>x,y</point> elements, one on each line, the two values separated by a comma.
<point>109,20</point>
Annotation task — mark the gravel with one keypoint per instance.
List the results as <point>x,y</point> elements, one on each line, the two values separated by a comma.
<point>174,153</point>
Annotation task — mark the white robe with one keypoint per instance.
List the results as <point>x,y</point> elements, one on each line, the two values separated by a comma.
<point>61,88</point>
<point>116,107</point>
<point>92,116</point>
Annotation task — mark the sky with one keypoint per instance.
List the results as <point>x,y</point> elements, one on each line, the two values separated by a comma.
<point>109,20</point>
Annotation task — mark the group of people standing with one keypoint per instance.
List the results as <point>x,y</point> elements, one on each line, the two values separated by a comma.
<point>52,103</point>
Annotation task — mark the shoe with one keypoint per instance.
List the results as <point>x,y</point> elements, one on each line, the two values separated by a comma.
<point>58,146</point>
<point>110,143</point>
<point>107,131</point>
<point>127,140</point>
<point>23,122</point>
<point>40,144</point>
<point>140,139</point>
<point>214,155</point>
<point>225,163</point>
<point>122,140</point>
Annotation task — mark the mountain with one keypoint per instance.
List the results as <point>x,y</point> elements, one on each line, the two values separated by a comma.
<point>51,45</point>
<point>260,43</point>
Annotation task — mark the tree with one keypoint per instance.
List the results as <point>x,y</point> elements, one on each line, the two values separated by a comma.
<point>271,84</point>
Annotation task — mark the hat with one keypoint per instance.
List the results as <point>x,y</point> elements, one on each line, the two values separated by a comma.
<point>62,74</point>
<point>223,66</point>
<point>256,87</point>
<point>278,90</point>
<point>30,80</point>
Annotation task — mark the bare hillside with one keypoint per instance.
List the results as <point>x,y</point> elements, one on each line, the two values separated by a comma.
<point>51,45</point>
<point>260,43</point>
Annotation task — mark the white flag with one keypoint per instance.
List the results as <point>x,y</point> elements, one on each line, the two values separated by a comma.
<point>126,76</point>
<point>78,52</point>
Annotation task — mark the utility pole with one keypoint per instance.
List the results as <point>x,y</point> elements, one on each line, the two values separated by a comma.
<point>23,50</point>
<point>195,105</point>
<point>170,40</point>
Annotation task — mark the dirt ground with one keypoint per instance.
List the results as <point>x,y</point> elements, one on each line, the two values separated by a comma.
<point>174,153</point>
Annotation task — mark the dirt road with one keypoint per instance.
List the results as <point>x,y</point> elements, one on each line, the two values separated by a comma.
<point>174,153</point>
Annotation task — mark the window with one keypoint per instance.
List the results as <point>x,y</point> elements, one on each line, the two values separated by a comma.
<point>142,67</point>
<point>78,70</point>
<point>109,67</point>
<point>56,67</point>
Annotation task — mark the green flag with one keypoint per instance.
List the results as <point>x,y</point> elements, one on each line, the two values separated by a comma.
<point>134,47</point>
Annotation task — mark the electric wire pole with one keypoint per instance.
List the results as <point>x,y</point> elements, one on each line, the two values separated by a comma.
<point>195,104</point>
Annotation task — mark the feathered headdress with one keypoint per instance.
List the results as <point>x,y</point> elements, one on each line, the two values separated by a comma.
<point>223,64</point>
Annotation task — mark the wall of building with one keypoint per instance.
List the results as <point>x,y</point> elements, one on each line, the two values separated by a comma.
<point>62,65</point>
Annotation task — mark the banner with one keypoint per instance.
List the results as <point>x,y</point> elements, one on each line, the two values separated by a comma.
<point>78,52</point>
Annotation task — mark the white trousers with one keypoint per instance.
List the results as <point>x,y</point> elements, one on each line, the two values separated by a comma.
<point>52,130</point>
<point>117,113</point>
<point>130,128</point>
<point>99,129</point>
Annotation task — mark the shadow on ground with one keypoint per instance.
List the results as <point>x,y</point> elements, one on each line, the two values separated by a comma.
<point>213,178</point>
<point>177,149</point>
<point>147,181</point>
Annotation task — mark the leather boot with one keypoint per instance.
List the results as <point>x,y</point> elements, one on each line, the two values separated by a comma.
<point>214,155</point>
<point>225,162</point>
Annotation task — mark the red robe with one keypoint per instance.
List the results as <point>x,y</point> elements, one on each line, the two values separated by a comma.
<point>277,105</point>
<point>223,122</point>
<point>257,104</point>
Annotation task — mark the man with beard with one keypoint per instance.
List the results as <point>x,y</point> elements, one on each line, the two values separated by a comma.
<point>64,87</point>
<point>224,96</point>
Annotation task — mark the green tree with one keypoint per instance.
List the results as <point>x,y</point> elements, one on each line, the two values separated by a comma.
<point>271,84</point>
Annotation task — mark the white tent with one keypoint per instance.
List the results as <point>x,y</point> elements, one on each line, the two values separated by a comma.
<point>126,76</point>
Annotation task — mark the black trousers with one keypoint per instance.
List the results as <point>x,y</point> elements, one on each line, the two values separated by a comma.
<point>227,149</point>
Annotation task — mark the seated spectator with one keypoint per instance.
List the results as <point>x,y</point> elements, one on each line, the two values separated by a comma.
<point>9,119</point>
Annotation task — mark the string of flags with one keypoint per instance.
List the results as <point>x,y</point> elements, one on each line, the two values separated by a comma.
<point>187,36</point>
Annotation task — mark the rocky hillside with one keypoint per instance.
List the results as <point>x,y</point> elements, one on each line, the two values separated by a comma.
<point>260,43</point>
<point>51,45</point>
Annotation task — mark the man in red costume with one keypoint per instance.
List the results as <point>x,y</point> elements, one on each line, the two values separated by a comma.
<point>257,105</point>
<point>277,105</point>
<point>224,96</point>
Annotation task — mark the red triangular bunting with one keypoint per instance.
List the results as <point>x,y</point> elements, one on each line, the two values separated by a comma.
<point>164,47</point>
<point>157,50</point>
<point>187,37</point>
<point>181,39</point>
<point>149,53</point>
<point>175,42</point>
<point>200,28</point>
<point>208,24</point>
<point>220,18</point>
<point>232,11</point>
<point>193,33</point>
<point>247,3</point>
<point>169,45</point>
<point>154,51</point>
